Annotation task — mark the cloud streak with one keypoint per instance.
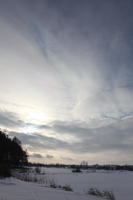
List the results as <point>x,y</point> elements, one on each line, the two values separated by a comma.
<point>116,137</point>
<point>10,119</point>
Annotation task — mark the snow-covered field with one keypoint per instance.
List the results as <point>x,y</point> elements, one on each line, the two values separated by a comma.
<point>121,183</point>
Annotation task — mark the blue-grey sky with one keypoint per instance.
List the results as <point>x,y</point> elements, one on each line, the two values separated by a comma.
<point>67,78</point>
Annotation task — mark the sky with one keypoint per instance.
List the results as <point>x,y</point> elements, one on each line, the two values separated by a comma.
<point>66,69</point>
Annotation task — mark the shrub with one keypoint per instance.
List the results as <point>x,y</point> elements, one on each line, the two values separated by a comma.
<point>48,181</point>
<point>67,188</point>
<point>106,194</point>
<point>52,183</point>
<point>109,195</point>
<point>95,191</point>
<point>76,170</point>
<point>38,170</point>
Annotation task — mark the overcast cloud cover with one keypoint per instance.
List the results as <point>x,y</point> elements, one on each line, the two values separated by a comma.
<point>66,78</point>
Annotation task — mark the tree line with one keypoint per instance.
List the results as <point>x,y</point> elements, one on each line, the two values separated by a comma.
<point>12,154</point>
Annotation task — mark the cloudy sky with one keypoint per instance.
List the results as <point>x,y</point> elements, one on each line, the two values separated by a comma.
<point>66,72</point>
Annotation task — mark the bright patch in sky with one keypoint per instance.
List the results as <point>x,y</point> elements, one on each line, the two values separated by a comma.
<point>36,117</point>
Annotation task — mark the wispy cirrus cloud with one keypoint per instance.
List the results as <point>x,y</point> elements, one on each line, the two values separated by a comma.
<point>71,61</point>
<point>96,76</point>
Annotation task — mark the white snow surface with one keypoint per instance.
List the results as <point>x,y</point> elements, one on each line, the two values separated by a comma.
<point>121,183</point>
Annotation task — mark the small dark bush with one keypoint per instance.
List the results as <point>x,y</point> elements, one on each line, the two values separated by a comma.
<point>67,188</point>
<point>109,195</point>
<point>95,191</point>
<point>76,170</point>
<point>53,185</point>
<point>38,170</point>
<point>105,194</point>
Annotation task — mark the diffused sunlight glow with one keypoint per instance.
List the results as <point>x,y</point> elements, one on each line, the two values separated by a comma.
<point>36,117</point>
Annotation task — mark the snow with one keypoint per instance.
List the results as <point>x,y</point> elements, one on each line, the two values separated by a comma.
<point>121,183</point>
<point>12,189</point>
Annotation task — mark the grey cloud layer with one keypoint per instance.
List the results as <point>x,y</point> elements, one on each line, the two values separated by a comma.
<point>40,142</point>
<point>116,137</point>
<point>49,156</point>
<point>37,155</point>
<point>10,119</point>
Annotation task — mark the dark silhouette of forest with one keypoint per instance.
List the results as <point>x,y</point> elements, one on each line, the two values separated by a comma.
<point>12,154</point>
